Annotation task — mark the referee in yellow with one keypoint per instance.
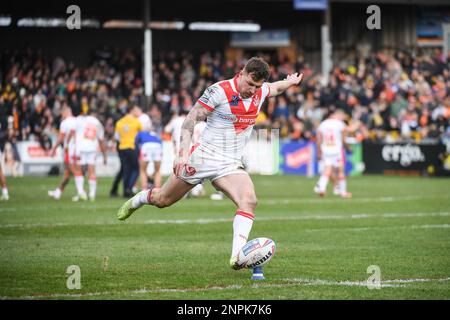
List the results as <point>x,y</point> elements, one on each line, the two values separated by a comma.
<point>126,130</point>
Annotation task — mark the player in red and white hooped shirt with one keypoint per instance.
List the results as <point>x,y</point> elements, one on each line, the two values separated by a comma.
<point>66,126</point>
<point>230,108</point>
<point>330,150</point>
<point>88,135</point>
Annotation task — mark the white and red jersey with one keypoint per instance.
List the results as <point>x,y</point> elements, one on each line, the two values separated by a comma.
<point>198,131</point>
<point>146,122</point>
<point>65,128</point>
<point>88,131</point>
<point>229,125</point>
<point>332,136</point>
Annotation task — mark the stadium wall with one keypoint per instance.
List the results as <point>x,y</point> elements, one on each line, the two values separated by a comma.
<point>77,46</point>
<point>266,154</point>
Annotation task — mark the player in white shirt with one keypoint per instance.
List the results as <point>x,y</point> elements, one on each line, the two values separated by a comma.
<point>89,136</point>
<point>144,119</point>
<point>174,127</point>
<point>66,126</point>
<point>330,151</point>
<point>230,108</point>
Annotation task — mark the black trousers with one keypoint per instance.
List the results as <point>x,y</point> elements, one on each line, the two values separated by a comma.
<point>130,169</point>
<point>117,179</point>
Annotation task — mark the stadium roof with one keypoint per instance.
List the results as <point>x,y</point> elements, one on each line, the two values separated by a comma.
<point>186,10</point>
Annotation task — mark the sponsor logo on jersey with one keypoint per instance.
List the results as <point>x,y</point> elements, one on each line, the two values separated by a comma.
<point>190,171</point>
<point>246,119</point>
<point>231,117</point>
<point>255,99</point>
<point>207,95</point>
<point>234,101</point>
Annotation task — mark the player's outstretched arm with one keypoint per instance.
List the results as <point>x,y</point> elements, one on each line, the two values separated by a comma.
<point>197,114</point>
<point>279,87</point>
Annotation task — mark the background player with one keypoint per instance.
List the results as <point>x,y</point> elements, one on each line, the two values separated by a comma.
<point>174,127</point>
<point>330,150</point>
<point>89,135</point>
<point>66,126</point>
<point>125,131</point>
<point>230,108</point>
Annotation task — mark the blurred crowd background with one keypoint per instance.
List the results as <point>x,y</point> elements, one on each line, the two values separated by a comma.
<point>388,97</point>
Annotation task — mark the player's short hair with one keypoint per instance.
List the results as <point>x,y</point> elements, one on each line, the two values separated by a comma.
<point>340,113</point>
<point>258,68</point>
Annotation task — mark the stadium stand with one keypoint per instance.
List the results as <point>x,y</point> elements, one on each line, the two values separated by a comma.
<point>390,98</point>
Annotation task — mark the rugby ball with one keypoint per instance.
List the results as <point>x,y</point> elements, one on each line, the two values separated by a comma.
<point>256,252</point>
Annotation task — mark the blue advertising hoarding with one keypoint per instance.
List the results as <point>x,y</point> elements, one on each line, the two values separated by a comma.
<point>300,158</point>
<point>310,4</point>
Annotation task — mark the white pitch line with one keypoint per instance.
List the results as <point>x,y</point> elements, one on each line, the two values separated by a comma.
<point>220,220</point>
<point>289,282</point>
<point>338,200</point>
<point>89,206</point>
<point>424,226</point>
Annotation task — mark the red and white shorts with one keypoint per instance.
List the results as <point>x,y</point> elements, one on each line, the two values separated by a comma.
<point>151,151</point>
<point>85,157</point>
<point>333,159</point>
<point>200,169</point>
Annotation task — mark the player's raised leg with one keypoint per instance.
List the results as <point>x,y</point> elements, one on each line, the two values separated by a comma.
<point>173,190</point>
<point>240,189</point>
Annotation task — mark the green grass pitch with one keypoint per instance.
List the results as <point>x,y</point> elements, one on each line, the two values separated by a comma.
<point>324,246</point>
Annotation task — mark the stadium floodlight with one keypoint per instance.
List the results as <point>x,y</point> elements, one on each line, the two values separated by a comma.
<point>136,24</point>
<point>123,24</point>
<point>5,21</point>
<point>41,22</point>
<point>167,25</point>
<point>225,26</point>
<point>54,23</point>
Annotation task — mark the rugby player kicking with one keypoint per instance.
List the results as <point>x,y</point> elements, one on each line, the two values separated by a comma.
<point>230,108</point>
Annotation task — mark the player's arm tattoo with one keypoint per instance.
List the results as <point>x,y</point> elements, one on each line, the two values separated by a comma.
<point>197,114</point>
